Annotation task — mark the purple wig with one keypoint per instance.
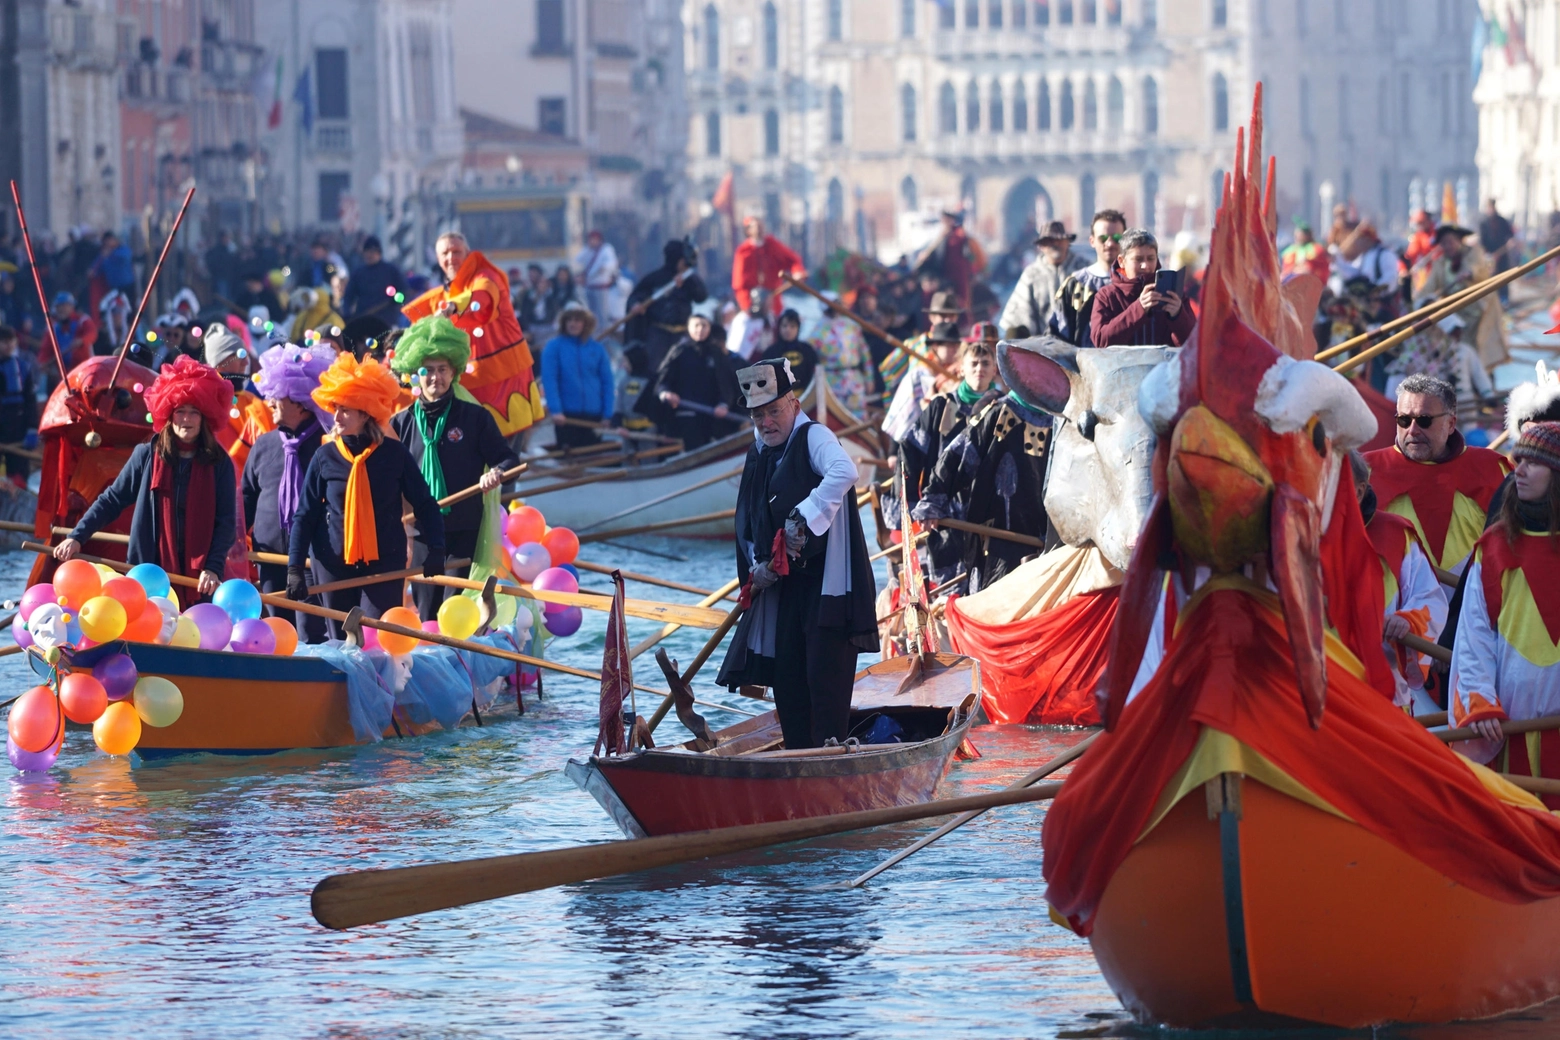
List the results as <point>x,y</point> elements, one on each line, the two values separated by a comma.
<point>292,373</point>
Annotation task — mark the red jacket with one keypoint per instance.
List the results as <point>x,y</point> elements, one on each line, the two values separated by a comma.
<point>760,267</point>
<point>1119,320</point>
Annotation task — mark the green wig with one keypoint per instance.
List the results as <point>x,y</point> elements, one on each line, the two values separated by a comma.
<point>432,337</point>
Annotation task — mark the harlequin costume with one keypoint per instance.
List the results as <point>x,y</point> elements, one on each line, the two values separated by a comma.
<point>1445,501</point>
<point>503,378</point>
<point>1411,591</point>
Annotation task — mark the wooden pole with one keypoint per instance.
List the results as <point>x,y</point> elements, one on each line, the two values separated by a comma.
<point>839,308</point>
<point>1546,722</point>
<point>616,431</point>
<point>364,897</point>
<point>710,646</point>
<point>893,549</point>
<point>636,507</point>
<point>151,283</point>
<point>475,489</point>
<point>43,303</point>
<point>645,579</point>
<point>692,617</point>
<point>991,532</point>
<point>708,601</point>
<point>662,525</point>
<point>1424,646</point>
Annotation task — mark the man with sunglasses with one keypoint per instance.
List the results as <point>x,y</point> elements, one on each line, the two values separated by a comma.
<point>1431,477</point>
<point>1075,298</point>
<point>1035,294</point>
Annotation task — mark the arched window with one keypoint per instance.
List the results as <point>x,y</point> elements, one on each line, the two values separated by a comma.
<point>1043,106</point>
<point>1065,117</point>
<point>836,201</point>
<point>1020,110</point>
<point>971,108</point>
<point>909,198</point>
<point>947,109</point>
<point>711,38</point>
<point>771,37</point>
<point>1086,12</point>
<point>1064,12</point>
<point>836,19</point>
<point>712,134</point>
<point>907,113</point>
<point>1150,106</point>
<point>836,116</point>
<point>1115,106</point>
<point>771,132</point>
<point>998,120</point>
<point>1221,103</point>
<point>1091,106</point>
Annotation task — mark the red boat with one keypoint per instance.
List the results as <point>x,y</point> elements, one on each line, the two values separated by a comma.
<point>748,776</point>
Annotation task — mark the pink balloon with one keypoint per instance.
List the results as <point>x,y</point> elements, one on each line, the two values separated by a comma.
<point>430,626</point>
<point>34,598</point>
<point>253,636</point>
<point>556,579</point>
<point>216,628</point>
<point>530,560</point>
<point>370,638</point>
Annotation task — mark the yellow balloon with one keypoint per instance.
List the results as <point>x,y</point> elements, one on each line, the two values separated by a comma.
<point>118,730</point>
<point>185,633</point>
<point>102,619</point>
<point>157,701</point>
<point>106,572</point>
<point>459,617</point>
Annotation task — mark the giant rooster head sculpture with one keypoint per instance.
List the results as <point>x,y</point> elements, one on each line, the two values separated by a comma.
<point>1252,436</point>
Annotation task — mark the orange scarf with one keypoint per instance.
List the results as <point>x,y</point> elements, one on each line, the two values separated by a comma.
<point>359,536</point>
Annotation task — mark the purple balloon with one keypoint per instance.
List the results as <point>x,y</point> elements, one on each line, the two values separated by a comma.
<point>117,674</point>
<point>556,579</point>
<point>216,628</point>
<point>19,631</point>
<point>566,622</point>
<point>34,598</point>
<point>31,761</point>
<point>253,636</point>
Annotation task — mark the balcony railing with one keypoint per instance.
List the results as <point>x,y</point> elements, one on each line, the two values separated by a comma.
<point>333,137</point>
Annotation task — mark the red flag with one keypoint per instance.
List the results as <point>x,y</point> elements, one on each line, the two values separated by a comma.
<point>725,195</point>
<point>617,676</point>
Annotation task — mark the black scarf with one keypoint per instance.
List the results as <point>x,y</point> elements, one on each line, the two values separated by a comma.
<point>1534,516</point>
<point>1368,505</point>
<point>755,500</point>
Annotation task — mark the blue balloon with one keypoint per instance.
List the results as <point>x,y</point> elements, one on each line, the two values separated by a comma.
<point>152,578</point>
<point>73,631</point>
<point>240,599</point>
<point>571,569</point>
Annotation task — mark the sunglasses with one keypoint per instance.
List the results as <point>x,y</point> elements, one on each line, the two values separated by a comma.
<point>1102,239</point>
<point>1424,421</point>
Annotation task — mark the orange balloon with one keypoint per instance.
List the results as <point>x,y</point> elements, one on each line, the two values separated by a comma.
<point>82,697</point>
<point>130,594</point>
<point>145,627</point>
<point>525,524</point>
<point>35,722</point>
<point>77,581</point>
<point>286,635</point>
<point>118,730</point>
<point>562,545</point>
<point>393,642</point>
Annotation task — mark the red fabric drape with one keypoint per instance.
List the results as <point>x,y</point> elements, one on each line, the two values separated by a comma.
<point>1045,669</point>
<point>1230,668</point>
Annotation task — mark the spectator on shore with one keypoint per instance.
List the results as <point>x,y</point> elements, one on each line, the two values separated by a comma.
<point>372,287</point>
<point>1130,311</point>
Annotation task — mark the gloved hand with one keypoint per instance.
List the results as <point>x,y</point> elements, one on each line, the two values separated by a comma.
<point>796,533</point>
<point>30,441</point>
<point>762,577</point>
<point>297,585</point>
<point>433,563</point>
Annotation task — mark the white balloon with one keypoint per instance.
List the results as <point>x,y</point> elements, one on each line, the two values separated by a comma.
<point>170,613</point>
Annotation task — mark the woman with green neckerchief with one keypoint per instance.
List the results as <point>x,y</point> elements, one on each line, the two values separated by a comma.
<point>942,418</point>
<point>470,449</point>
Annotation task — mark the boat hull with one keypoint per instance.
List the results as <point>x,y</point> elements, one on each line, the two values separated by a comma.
<point>1331,925</point>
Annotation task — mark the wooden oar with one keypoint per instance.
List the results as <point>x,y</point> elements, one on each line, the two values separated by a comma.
<point>636,507</point>
<point>893,548</point>
<point>1500,440</point>
<point>644,579</point>
<point>662,525</point>
<point>364,897</point>
<point>151,283</point>
<point>652,610</point>
<point>954,824</point>
<point>43,301</point>
<point>475,489</point>
<point>375,579</point>
<point>839,308</point>
<point>589,467</point>
<point>617,431</point>
<point>709,648</point>
<point>992,532</point>
<point>1546,722</point>
<point>1424,646</point>
<point>24,452</point>
<point>1531,784</point>
<point>708,601</point>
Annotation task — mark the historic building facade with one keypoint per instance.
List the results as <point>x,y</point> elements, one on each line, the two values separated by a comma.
<point>1518,95</point>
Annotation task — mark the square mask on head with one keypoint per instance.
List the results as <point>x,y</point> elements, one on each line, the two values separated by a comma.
<point>765,382</point>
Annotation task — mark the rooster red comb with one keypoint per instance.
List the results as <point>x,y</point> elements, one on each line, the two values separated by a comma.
<point>187,381</point>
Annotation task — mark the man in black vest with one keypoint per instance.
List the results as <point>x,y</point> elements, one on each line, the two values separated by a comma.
<point>801,550</point>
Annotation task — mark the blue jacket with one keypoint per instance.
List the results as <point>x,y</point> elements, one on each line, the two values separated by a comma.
<point>116,269</point>
<point>365,292</point>
<point>577,377</point>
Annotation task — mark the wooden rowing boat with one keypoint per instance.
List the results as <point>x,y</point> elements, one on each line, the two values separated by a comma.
<point>748,777</point>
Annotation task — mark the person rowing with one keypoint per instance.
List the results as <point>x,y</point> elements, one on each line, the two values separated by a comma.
<point>180,483</point>
<point>350,515</point>
<point>812,593</point>
<point>697,371</point>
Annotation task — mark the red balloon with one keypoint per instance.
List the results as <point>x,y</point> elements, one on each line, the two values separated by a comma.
<point>562,545</point>
<point>83,697</point>
<point>145,627</point>
<point>525,524</point>
<point>36,722</point>
<point>130,594</point>
<point>77,581</point>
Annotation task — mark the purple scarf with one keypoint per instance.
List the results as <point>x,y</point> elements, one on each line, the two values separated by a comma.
<point>290,492</point>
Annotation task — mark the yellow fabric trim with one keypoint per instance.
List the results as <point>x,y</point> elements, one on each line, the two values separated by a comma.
<point>1504,790</point>
<point>1390,583</point>
<point>1464,530</point>
<point>1533,742</point>
<point>1520,623</point>
<point>1218,752</point>
<point>1334,647</point>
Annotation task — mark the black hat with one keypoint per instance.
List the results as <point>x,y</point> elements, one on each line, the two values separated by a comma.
<point>356,333</point>
<point>1451,229</point>
<point>944,332</point>
<point>372,242</point>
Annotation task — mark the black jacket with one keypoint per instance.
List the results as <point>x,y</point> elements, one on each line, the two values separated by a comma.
<point>701,372</point>
<point>366,294</point>
<point>263,479</point>
<point>392,475</point>
<point>133,486</point>
<point>472,443</point>
<point>671,310</point>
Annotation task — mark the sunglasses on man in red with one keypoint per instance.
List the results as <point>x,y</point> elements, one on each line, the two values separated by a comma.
<point>1424,421</point>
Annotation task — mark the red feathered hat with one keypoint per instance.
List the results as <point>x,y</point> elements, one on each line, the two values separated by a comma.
<point>187,381</point>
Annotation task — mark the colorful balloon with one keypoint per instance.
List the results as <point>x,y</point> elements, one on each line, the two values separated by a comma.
<point>34,598</point>
<point>145,627</point>
<point>239,598</point>
<point>562,545</point>
<point>459,617</point>
<point>185,633</point>
<point>555,579</point>
<point>283,634</point>
<point>253,636</point>
<point>118,675</point>
<point>566,622</point>
<point>118,730</point>
<point>77,581</point>
<point>430,626</point>
<point>82,697</point>
<point>571,569</point>
<point>530,560</point>
<point>19,631</point>
<point>33,761</point>
<point>50,627</point>
<point>371,638</point>
<point>152,578</point>
<point>104,571</point>
<point>129,593</point>
<point>216,627</point>
<point>102,619</point>
<point>524,524</point>
<point>36,720</point>
<point>157,701</point>
<point>394,643</point>
<point>170,614</point>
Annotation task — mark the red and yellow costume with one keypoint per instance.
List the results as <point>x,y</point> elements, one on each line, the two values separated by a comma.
<point>1411,593</point>
<point>502,374</point>
<point>1445,501</point>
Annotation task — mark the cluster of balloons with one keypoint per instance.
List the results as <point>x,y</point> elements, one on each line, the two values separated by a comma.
<point>112,698</point>
<point>544,556</point>
<point>87,604</point>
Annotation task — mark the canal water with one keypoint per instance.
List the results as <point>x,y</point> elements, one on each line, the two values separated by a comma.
<point>172,899</point>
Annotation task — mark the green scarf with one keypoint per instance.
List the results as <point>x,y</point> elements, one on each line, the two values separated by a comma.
<point>966,394</point>
<point>432,467</point>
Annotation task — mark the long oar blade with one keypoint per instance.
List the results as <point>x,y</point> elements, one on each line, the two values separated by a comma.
<point>365,897</point>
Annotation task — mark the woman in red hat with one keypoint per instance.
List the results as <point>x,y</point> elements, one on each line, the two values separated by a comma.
<point>180,482</point>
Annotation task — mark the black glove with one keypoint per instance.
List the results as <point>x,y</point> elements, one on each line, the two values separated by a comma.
<point>433,563</point>
<point>297,585</point>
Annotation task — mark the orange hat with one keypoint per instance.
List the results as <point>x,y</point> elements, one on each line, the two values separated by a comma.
<point>364,385</point>
<point>187,381</point>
